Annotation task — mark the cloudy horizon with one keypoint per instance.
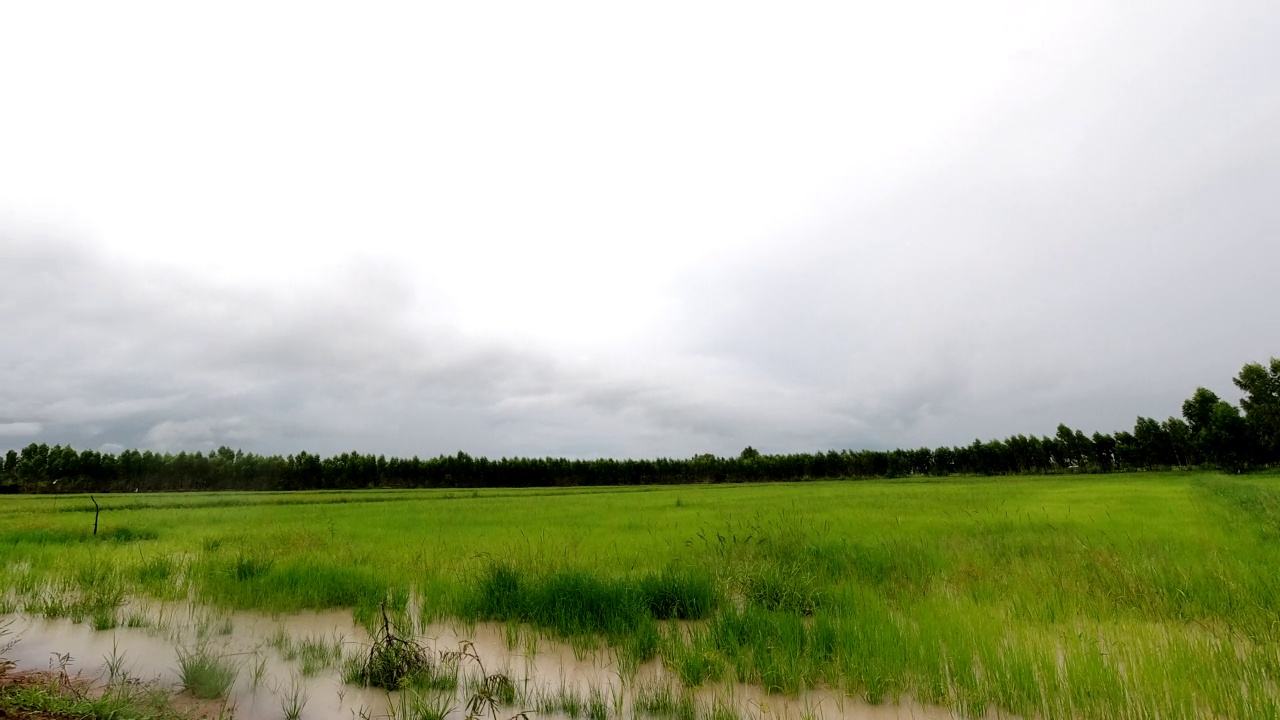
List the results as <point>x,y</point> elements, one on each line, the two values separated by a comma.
<point>574,231</point>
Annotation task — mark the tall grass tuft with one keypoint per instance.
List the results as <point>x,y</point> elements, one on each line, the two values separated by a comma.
<point>204,674</point>
<point>678,593</point>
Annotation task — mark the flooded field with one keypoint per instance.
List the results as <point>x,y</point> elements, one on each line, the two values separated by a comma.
<point>291,667</point>
<point>1137,596</point>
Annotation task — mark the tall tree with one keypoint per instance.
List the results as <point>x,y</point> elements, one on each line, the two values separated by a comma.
<point>1126,450</point>
<point>1179,434</point>
<point>1073,454</point>
<point>1154,445</point>
<point>1104,451</point>
<point>1261,404</point>
<point>1225,441</point>
<point>1198,409</point>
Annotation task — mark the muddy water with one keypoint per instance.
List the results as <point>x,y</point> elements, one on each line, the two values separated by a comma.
<point>267,679</point>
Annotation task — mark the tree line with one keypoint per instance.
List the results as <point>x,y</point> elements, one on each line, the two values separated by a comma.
<point>1211,432</point>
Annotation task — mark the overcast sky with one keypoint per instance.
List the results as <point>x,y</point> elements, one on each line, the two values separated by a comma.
<point>581,230</point>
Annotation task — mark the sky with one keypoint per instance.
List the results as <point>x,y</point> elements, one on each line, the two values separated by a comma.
<point>656,230</point>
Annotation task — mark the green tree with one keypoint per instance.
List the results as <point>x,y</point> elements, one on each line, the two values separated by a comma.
<point>1261,404</point>
<point>1126,450</point>
<point>1104,451</point>
<point>1179,434</point>
<point>1072,450</point>
<point>1225,441</point>
<point>1154,446</point>
<point>1198,409</point>
<point>33,466</point>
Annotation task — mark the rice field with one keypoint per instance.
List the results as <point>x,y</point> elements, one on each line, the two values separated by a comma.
<point>1094,596</point>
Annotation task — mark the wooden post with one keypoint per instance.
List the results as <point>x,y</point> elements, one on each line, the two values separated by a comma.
<point>96,510</point>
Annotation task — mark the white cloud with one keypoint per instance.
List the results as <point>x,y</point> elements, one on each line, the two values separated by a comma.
<point>20,429</point>
<point>571,228</point>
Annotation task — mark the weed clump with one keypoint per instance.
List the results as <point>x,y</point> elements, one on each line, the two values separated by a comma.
<point>488,693</point>
<point>393,661</point>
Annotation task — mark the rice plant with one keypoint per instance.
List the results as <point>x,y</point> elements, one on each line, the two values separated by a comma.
<point>597,704</point>
<point>293,699</point>
<point>566,699</point>
<point>312,653</point>
<point>657,699</point>
<point>416,704</point>
<point>258,671</point>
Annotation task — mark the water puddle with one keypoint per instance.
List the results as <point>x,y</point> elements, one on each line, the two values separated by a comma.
<point>290,667</point>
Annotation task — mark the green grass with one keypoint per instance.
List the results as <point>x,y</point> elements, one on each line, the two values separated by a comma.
<point>414,704</point>
<point>117,703</point>
<point>658,700</point>
<point>1137,595</point>
<point>204,674</point>
<point>565,700</point>
<point>312,653</point>
<point>574,601</point>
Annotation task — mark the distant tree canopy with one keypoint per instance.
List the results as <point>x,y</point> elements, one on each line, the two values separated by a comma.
<point>1211,432</point>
